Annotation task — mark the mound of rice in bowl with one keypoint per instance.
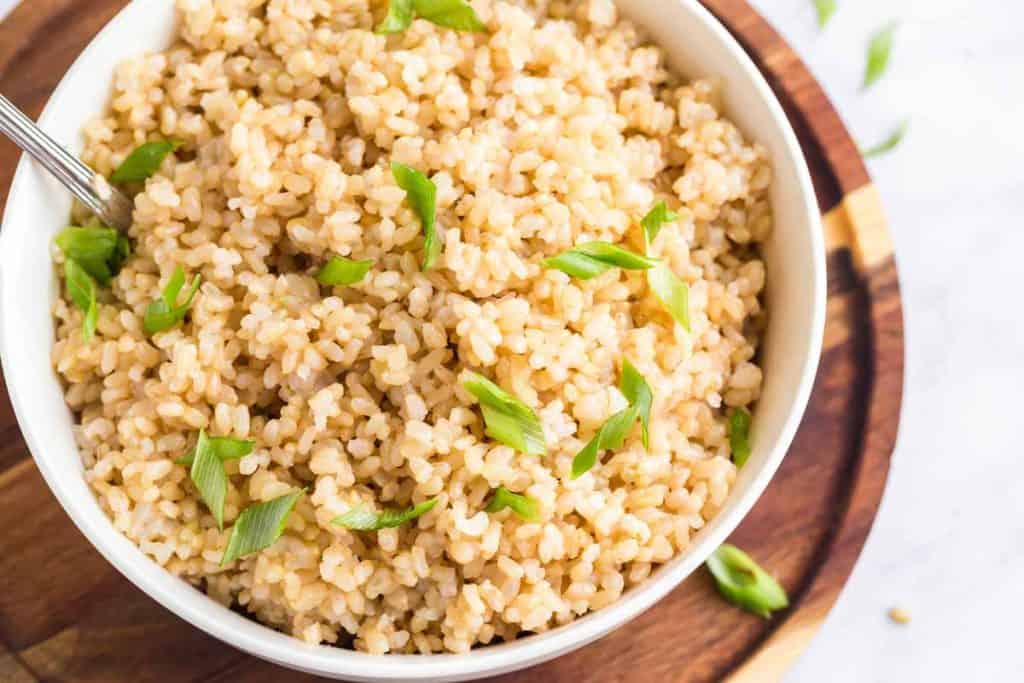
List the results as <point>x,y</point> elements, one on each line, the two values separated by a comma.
<point>556,127</point>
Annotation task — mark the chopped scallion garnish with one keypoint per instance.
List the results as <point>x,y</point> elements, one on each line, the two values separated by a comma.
<point>739,436</point>
<point>164,313</point>
<point>673,293</point>
<point>636,390</point>
<point>616,428</point>
<point>225,448</point>
<point>82,290</point>
<point>525,507</point>
<point>508,419</point>
<point>879,53</point>
<point>453,14</point>
<point>144,161</point>
<point>361,519</point>
<point>591,259</point>
<point>655,218</point>
<point>343,271</point>
<point>259,526</point>
<point>826,8</point>
<point>611,435</point>
<point>889,144</point>
<point>100,251</point>
<point>421,193</point>
<point>398,19</point>
<point>207,473</point>
<point>742,582</point>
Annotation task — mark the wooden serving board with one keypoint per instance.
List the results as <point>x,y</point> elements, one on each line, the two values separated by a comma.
<point>66,615</point>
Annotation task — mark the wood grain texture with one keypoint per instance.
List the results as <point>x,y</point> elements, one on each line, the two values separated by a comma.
<point>66,615</point>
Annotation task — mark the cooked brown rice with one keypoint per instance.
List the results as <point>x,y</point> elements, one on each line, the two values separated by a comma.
<point>560,126</point>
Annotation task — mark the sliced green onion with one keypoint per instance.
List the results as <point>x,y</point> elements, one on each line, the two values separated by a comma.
<point>611,435</point>
<point>91,243</point>
<point>636,390</point>
<point>879,52</point>
<point>225,448</point>
<point>361,519</point>
<point>594,258</point>
<point>259,527</point>
<point>165,313</point>
<point>655,218</point>
<point>525,507</point>
<point>673,293</point>
<point>614,431</point>
<point>100,251</point>
<point>826,8</point>
<point>742,582</point>
<point>82,290</point>
<point>421,193</point>
<point>343,271</point>
<point>739,436</point>
<point>207,473</point>
<point>454,14</point>
<point>122,250</point>
<point>398,19</point>
<point>889,144</point>
<point>144,161</point>
<point>508,419</point>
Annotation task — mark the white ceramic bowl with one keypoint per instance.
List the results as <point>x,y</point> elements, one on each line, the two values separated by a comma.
<point>38,208</point>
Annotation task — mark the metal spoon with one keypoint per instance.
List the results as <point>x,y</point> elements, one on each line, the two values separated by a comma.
<point>108,203</point>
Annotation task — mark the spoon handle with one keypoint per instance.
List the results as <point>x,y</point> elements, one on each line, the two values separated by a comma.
<point>108,203</point>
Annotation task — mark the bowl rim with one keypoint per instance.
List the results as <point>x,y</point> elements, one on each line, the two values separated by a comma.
<point>182,599</point>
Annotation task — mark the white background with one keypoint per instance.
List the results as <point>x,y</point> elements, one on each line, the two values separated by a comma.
<point>948,545</point>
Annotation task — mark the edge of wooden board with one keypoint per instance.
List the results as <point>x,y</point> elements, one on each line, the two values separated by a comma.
<point>857,225</point>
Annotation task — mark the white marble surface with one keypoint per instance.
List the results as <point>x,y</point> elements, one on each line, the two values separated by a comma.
<point>949,542</point>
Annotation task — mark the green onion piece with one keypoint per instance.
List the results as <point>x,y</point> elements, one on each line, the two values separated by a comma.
<point>122,250</point>
<point>508,419</point>
<point>879,52</point>
<point>889,144</point>
<point>611,435</point>
<point>259,527</point>
<point>739,436</point>
<point>636,390</point>
<point>231,449</point>
<point>207,473</point>
<point>398,19</point>
<point>614,431</point>
<point>100,251</point>
<point>144,161</point>
<point>742,582</point>
<point>361,519</point>
<point>525,507</point>
<point>454,14</point>
<point>164,313</point>
<point>224,448</point>
<point>343,271</point>
<point>82,290</point>
<point>826,8</point>
<point>672,292</point>
<point>594,258</point>
<point>655,218</point>
<point>421,193</point>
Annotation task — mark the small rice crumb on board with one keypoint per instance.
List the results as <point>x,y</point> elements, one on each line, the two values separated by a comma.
<point>898,615</point>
